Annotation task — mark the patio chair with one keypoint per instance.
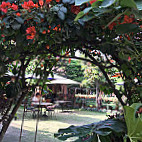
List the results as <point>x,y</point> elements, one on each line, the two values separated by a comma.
<point>57,106</point>
<point>68,106</point>
<point>51,111</point>
<point>31,109</point>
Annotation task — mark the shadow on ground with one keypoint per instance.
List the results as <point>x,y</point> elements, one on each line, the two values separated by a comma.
<point>13,134</point>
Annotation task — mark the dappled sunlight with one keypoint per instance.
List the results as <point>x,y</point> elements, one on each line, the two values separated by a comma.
<point>50,126</point>
<point>93,116</point>
<point>62,120</point>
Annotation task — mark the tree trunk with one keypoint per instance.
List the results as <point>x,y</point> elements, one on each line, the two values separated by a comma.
<point>97,94</point>
<point>11,116</point>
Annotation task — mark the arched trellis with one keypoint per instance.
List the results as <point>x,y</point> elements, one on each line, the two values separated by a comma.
<point>109,20</point>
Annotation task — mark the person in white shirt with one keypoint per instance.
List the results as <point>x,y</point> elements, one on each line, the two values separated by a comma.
<point>36,98</point>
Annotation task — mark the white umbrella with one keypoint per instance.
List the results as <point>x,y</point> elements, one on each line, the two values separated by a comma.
<point>61,80</point>
<point>56,79</point>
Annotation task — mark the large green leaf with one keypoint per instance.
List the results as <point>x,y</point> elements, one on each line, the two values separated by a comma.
<point>19,20</point>
<point>107,3</point>
<point>113,125</point>
<point>61,15</point>
<point>102,133</point>
<point>134,125</point>
<point>86,10</point>
<point>105,139</point>
<point>82,13</point>
<point>128,3</point>
<point>102,129</point>
<point>79,15</point>
<point>95,138</point>
<point>15,25</point>
<point>127,28</point>
<point>80,2</point>
<point>96,4</point>
<point>87,18</point>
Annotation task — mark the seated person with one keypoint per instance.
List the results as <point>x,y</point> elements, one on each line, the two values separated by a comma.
<point>36,98</point>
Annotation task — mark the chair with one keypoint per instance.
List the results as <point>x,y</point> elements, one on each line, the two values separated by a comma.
<point>68,106</point>
<point>30,108</point>
<point>51,111</point>
<point>57,106</point>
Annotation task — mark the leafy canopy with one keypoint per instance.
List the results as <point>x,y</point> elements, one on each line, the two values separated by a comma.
<point>52,29</point>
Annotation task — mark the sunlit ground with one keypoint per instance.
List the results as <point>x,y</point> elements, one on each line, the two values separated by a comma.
<point>48,126</point>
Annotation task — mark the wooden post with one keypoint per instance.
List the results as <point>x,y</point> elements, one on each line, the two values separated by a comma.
<point>97,93</point>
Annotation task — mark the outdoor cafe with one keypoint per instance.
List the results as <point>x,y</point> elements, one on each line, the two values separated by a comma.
<point>56,95</point>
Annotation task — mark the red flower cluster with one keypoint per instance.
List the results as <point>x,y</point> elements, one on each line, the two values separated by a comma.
<point>48,1</point>
<point>127,19</point>
<point>44,32</point>
<point>47,46</point>
<point>4,6</point>
<point>41,3</point>
<point>69,60</point>
<point>2,35</point>
<point>92,1</point>
<point>129,58</point>
<point>127,36</point>
<point>29,5</point>
<point>14,7</point>
<point>31,32</point>
<point>112,25</point>
<point>139,110</point>
<point>18,14</point>
<point>75,9</point>
<point>57,28</point>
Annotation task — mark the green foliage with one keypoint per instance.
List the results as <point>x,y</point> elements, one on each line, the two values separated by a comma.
<point>104,130</point>
<point>71,70</point>
<point>127,28</point>
<point>91,75</point>
<point>82,13</point>
<point>107,3</point>
<point>106,89</point>
<point>80,2</point>
<point>12,90</point>
<point>104,31</point>
<point>128,3</point>
<point>133,120</point>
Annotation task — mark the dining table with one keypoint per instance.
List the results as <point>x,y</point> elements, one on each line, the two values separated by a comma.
<point>62,103</point>
<point>41,105</point>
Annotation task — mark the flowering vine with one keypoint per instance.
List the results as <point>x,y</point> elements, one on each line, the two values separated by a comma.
<point>31,32</point>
